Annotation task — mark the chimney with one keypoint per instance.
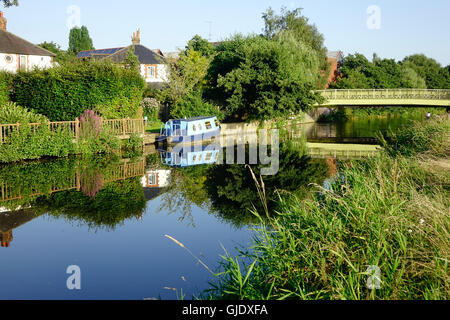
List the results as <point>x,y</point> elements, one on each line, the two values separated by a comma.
<point>136,37</point>
<point>2,22</point>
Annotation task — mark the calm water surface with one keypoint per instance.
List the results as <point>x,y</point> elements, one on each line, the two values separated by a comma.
<point>110,217</point>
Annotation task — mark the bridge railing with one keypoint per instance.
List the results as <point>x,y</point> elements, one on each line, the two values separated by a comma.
<point>379,94</point>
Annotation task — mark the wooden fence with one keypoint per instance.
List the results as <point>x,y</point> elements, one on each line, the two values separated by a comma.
<point>123,171</point>
<point>118,127</point>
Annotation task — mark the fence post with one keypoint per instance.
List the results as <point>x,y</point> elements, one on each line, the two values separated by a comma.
<point>77,125</point>
<point>123,126</point>
<point>1,133</point>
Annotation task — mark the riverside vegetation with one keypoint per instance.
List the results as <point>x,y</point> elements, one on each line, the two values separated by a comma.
<point>390,212</point>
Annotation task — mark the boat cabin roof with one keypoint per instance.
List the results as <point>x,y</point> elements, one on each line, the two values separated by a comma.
<point>195,119</point>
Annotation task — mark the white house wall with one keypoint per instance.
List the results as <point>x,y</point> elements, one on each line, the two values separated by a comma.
<point>41,62</point>
<point>161,73</point>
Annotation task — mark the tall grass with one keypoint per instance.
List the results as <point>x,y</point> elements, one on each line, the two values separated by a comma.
<point>390,212</point>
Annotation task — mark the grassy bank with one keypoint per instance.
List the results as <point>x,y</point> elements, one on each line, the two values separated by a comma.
<point>389,214</point>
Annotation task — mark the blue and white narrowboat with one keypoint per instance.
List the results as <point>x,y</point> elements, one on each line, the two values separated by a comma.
<point>187,156</point>
<point>187,130</point>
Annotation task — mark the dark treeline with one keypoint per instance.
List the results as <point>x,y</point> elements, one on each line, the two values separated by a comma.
<point>415,71</point>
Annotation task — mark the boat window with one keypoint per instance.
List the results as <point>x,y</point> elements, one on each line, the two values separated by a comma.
<point>200,158</point>
<point>216,122</point>
<point>194,157</point>
<point>194,127</point>
<point>199,126</point>
<point>208,156</point>
<point>208,125</point>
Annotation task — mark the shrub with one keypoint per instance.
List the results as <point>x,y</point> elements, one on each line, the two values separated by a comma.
<point>64,92</point>
<point>5,86</point>
<point>193,105</point>
<point>12,113</point>
<point>29,144</point>
<point>151,108</point>
<point>133,146</point>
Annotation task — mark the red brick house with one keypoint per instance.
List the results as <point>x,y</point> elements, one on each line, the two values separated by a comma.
<point>335,58</point>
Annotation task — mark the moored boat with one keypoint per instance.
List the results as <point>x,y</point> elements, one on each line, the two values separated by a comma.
<point>188,130</point>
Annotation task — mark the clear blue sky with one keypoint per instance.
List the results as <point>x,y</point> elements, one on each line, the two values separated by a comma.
<point>406,27</point>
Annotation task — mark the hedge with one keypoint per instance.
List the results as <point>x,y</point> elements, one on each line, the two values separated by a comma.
<point>64,92</point>
<point>5,86</point>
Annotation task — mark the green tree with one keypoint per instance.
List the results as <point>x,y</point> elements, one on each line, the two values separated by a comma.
<point>201,45</point>
<point>360,73</point>
<point>186,75</point>
<point>258,78</point>
<point>79,40</point>
<point>61,55</point>
<point>292,21</point>
<point>436,77</point>
<point>131,60</point>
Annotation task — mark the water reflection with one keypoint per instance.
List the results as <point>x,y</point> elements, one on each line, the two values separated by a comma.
<point>233,192</point>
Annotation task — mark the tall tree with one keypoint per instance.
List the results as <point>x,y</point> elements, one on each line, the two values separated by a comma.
<point>79,40</point>
<point>429,69</point>
<point>292,21</point>
<point>10,3</point>
<point>201,45</point>
<point>258,78</point>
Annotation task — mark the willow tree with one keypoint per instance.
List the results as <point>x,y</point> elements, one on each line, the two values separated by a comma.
<point>293,22</point>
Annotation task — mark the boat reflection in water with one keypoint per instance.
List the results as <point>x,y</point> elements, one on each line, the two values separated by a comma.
<point>190,155</point>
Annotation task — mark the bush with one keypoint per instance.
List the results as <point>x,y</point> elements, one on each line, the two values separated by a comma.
<point>11,113</point>
<point>193,105</point>
<point>133,146</point>
<point>29,144</point>
<point>5,86</point>
<point>151,108</point>
<point>64,92</point>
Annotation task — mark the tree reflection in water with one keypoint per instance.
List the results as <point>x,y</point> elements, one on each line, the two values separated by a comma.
<point>230,193</point>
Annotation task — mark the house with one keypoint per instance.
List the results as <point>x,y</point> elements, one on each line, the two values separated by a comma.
<point>153,63</point>
<point>18,54</point>
<point>335,58</point>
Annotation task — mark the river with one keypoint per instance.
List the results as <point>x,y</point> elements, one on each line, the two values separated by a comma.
<point>138,228</point>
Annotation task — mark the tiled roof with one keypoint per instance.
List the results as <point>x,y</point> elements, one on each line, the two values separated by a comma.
<point>10,43</point>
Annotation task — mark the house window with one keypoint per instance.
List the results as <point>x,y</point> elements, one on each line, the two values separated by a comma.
<point>208,125</point>
<point>9,59</point>
<point>151,72</point>
<point>152,180</point>
<point>23,63</point>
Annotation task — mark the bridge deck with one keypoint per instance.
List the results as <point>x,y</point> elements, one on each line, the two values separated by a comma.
<point>386,97</point>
